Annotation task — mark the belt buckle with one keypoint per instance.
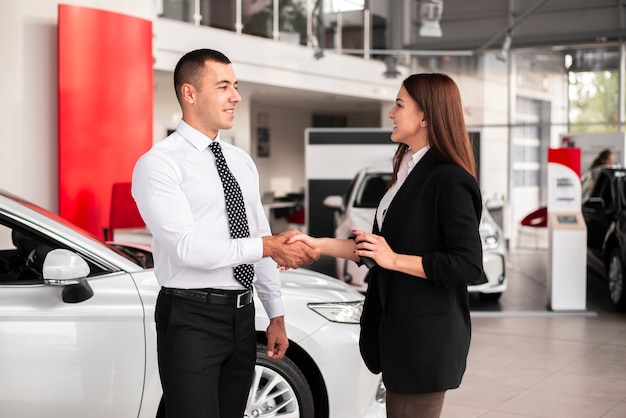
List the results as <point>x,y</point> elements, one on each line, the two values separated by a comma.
<point>242,299</point>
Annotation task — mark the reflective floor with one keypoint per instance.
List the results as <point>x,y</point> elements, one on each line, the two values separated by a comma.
<point>527,361</point>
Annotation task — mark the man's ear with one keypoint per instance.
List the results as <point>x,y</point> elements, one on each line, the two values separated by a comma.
<point>188,93</point>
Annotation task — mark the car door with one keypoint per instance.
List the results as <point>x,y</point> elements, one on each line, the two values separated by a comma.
<point>58,359</point>
<point>599,210</point>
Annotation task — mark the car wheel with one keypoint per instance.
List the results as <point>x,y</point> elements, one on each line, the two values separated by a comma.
<point>615,276</point>
<point>490,297</point>
<point>279,389</point>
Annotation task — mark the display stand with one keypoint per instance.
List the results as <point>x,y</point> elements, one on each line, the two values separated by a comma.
<point>567,242</point>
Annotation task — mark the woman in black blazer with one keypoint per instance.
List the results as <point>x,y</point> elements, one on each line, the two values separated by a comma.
<point>415,326</point>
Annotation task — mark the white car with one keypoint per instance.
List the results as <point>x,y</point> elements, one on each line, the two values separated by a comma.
<point>78,339</point>
<point>356,210</point>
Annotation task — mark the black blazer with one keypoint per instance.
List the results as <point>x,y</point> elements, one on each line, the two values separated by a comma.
<point>417,331</point>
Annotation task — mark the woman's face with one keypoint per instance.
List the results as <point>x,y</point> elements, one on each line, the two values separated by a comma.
<point>409,126</point>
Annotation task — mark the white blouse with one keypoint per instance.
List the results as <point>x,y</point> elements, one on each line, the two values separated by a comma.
<point>409,160</point>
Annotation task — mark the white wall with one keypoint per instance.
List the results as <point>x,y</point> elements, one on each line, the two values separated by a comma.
<point>28,111</point>
<point>28,81</point>
<point>283,171</point>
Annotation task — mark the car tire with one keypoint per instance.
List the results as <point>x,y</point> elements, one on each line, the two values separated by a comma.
<point>615,278</point>
<point>279,388</point>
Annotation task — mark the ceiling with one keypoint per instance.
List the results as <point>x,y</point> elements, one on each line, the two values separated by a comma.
<point>472,26</point>
<point>477,25</point>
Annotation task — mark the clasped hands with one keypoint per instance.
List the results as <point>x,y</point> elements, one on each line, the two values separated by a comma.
<point>364,244</point>
<point>289,255</point>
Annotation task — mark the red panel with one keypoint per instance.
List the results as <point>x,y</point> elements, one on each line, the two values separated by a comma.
<point>105,108</point>
<point>569,157</point>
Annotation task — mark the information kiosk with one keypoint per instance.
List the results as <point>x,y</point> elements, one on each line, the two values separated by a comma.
<point>567,245</point>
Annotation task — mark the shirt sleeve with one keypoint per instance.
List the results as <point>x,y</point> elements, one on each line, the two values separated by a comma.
<point>165,209</point>
<point>267,284</point>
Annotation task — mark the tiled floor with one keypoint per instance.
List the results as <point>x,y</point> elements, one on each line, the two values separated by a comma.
<point>527,361</point>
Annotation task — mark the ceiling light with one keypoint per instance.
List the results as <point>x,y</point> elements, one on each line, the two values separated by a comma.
<point>391,61</point>
<point>504,51</point>
<point>430,14</point>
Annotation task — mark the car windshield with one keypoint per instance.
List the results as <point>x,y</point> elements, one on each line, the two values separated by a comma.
<point>125,253</point>
<point>372,189</point>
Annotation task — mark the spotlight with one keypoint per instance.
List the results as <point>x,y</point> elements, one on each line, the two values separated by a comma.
<point>504,51</point>
<point>391,61</point>
<point>430,15</point>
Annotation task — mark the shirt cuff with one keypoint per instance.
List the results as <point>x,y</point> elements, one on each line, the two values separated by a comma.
<point>273,307</point>
<point>252,250</point>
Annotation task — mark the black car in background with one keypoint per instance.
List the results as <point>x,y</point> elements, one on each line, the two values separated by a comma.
<point>604,209</point>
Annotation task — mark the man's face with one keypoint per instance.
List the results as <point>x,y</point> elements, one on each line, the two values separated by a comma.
<point>215,98</point>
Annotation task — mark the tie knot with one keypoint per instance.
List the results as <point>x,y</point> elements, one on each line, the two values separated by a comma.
<point>215,147</point>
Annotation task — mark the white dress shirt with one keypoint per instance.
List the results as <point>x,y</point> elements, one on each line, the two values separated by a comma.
<point>409,160</point>
<point>180,197</point>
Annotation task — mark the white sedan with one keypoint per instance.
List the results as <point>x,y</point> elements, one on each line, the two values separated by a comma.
<point>356,210</point>
<point>77,333</point>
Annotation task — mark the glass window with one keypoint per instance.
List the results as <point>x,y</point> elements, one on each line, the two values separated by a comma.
<point>372,189</point>
<point>525,178</point>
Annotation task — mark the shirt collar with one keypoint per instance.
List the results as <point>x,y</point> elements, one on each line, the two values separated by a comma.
<point>418,156</point>
<point>199,140</point>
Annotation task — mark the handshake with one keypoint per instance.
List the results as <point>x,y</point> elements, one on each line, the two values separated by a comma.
<point>290,249</point>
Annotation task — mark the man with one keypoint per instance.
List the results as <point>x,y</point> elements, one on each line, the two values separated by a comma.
<point>204,313</point>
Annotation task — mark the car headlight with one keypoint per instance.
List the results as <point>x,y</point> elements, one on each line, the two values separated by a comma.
<point>490,242</point>
<point>489,236</point>
<point>342,312</point>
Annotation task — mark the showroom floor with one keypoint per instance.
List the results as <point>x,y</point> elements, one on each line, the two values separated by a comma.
<point>527,361</point>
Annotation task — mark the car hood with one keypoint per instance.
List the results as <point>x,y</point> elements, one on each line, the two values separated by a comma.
<point>312,286</point>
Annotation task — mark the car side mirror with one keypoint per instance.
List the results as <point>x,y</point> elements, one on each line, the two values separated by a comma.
<point>594,203</point>
<point>62,267</point>
<point>494,204</point>
<point>334,202</point>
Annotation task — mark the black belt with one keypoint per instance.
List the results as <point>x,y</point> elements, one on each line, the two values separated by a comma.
<point>212,296</point>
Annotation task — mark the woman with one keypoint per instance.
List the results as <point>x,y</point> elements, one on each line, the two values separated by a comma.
<point>415,325</point>
<point>605,157</point>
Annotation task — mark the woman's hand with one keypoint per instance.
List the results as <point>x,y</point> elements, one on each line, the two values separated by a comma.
<point>294,236</point>
<point>298,236</point>
<point>375,247</point>
<point>334,247</point>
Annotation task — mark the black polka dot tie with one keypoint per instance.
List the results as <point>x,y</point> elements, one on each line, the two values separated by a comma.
<point>237,220</point>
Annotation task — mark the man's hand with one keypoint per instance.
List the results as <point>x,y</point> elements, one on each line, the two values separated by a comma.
<point>288,255</point>
<point>277,341</point>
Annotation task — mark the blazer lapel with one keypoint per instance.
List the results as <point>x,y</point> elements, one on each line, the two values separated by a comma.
<point>409,189</point>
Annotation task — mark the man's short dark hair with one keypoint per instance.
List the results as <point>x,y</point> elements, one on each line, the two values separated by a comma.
<point>189,68</point>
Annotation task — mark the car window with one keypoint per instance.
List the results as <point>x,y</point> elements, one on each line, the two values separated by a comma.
<point>371,190</point>
<point>22,253</point>
<point>602,189</point>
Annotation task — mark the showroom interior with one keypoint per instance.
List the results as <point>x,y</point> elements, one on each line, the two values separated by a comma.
<point>543,84</point>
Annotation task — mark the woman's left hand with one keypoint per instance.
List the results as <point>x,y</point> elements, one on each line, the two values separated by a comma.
<point>375,247</point>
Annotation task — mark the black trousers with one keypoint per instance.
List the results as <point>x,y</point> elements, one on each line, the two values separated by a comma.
<point>206,356</point>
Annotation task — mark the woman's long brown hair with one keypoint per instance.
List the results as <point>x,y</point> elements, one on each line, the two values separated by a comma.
<point>437,95</point>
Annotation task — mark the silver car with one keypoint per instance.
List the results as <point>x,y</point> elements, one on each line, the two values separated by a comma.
<point>356,210</point>
<point>78,339</point>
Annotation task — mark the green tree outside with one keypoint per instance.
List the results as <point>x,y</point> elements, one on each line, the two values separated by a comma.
<point>593,98</point>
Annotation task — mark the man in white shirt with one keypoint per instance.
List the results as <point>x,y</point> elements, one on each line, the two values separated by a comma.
<point>205,317</point>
